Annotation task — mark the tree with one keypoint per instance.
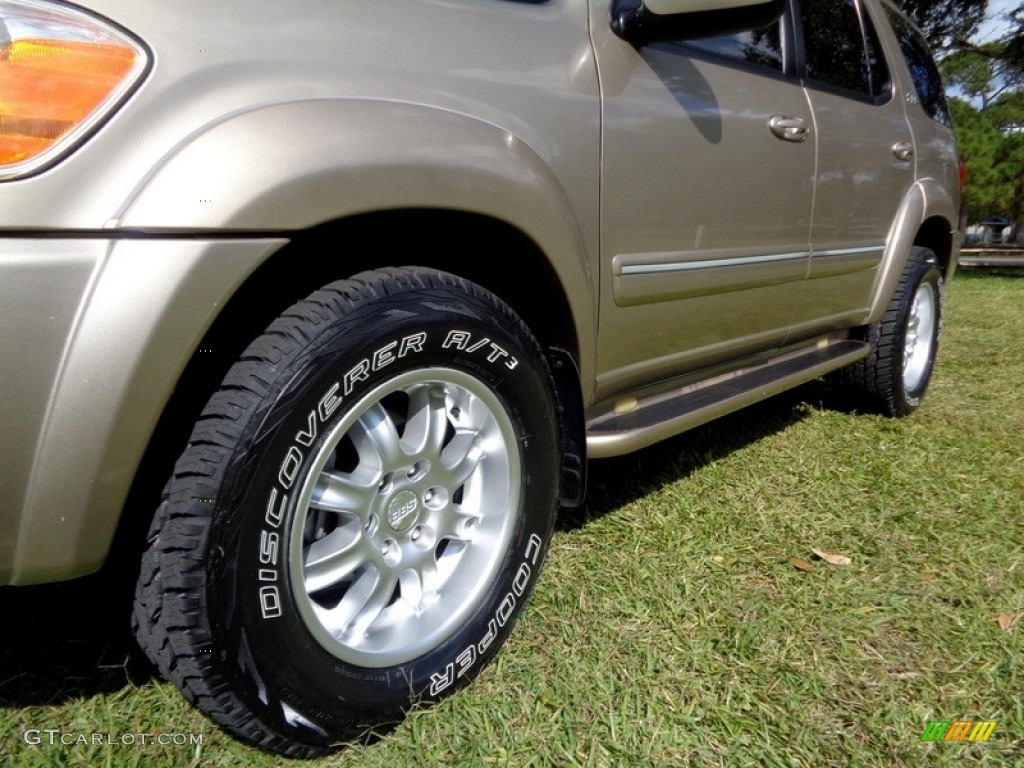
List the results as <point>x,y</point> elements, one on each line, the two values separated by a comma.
<point>992,143</point>
<point>947,23</point>
<point>1015,39</point>
<point>989,118</point>
<point>984,73</point>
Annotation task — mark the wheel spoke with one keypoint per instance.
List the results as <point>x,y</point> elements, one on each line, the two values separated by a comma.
<point>455,524</point>
<point>461,457</point>
<point>334,557</point>
<point>338,493</point>
<point>376,438</point>
<point>419,586</point>
<point>366,600</point>
<point>427,424</point>
<point>473,413</point>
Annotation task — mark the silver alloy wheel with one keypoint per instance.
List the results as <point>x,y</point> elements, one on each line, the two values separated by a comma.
<point>405,517</point>
<point>919,338</point>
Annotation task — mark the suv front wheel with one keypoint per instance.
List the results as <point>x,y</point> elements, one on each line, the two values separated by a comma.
<point>360,514</point>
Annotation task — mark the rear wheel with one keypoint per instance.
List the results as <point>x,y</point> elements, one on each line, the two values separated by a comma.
<point>904,344</point>
<point>360,515</point>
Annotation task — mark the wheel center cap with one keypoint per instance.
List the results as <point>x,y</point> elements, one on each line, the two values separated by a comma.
<point>402,510</point>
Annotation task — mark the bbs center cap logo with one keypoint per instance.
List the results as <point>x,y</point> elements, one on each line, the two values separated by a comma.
<point>402,510</point>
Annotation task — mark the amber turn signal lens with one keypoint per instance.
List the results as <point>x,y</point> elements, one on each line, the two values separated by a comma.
<point>60,72</point>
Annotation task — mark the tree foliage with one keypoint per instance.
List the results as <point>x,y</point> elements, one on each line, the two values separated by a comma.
<point>946,23</point>
<point>1015,40</point>
<point>988,112</point>
<point>992,143</point>
<point>984,73</point>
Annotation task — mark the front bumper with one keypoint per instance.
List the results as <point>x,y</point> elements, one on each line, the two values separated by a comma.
<point>96,332</point>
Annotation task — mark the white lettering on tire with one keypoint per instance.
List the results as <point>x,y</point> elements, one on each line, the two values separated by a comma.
<point>270,602</point>
<point>461,340</point>
<point>465,660</point>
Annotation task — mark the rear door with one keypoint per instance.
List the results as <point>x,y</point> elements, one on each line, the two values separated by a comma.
<point>865,160</point>
<point>926,106</point>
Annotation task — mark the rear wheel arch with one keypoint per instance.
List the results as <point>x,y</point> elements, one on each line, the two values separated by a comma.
<point>936,234</point>
<point>922,221</point>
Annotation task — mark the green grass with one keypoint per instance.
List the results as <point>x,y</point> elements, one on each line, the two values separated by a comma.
<point>669,626</point>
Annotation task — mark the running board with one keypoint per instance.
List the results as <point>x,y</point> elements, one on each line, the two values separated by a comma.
<point>630,423</point>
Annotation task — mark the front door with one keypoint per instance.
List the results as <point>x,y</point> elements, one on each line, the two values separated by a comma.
<point>708,168</point>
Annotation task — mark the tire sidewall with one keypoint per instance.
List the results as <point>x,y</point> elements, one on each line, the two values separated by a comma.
<point>265,644</point>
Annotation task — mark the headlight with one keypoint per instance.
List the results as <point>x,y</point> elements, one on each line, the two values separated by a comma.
<point>61,73</point>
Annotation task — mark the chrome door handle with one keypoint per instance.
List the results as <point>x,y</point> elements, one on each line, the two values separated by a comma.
<point>903,150</point>
<point>788,128</point>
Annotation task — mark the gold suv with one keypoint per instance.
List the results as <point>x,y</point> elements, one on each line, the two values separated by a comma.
<point>348,293</point>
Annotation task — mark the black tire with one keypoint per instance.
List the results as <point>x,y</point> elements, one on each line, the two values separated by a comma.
<point>904,344</point>
<point>360,514</point>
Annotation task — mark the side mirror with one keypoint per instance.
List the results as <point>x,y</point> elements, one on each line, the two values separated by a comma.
<point>649,21</point>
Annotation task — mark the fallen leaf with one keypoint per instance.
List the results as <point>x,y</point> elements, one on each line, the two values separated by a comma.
<point>904,675</point>
<point>803,565</point>
<point>831,558</point>
<point>1007,620</point>
<point>718,558</point>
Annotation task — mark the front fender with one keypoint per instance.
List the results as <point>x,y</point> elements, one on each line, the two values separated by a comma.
<point>288,167</point>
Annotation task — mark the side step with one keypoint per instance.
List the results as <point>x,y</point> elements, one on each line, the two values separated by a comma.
<point>630,423</point>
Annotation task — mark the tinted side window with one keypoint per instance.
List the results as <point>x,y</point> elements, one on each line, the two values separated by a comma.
<point>761,47</point>
<point>927,81</point>
<point>842,49</point>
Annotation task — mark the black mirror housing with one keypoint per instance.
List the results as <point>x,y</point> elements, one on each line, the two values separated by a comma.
<point>634,22</point>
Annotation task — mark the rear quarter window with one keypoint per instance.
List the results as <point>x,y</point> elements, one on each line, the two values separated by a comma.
<point>923,71</point>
